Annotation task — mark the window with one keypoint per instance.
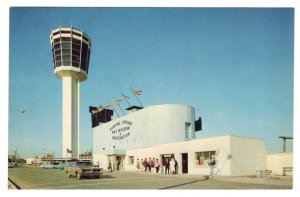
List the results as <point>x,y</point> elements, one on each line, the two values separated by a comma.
<point>57,52</point>
<point>66,51</point>
<point>84,37</point>
<point>75,46</point>
<point>65,31</point>
<point>77,34</point>
<point>76,41</point>
<point>66,45</point>
<point>203,158</point>
<point>65,39</point>
<point>130,160</point>
<point>84,56</point>
<point>88,60</point>
<point>187,130</point>
<point>58,63</point>
<point>76,52</point>
<point>57,45</point>
<point>57,58</point>
<point>55,33</point>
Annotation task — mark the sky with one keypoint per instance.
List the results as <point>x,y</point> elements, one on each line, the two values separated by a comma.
<point>233,65</point>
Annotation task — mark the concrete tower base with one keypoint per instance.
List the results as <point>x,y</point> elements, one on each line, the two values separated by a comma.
<point>70,116</point>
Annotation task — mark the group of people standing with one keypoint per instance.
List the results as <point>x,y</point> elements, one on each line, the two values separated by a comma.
<point>168,166</point>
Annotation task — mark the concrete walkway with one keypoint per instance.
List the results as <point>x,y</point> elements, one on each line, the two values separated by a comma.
<point>270,180</point>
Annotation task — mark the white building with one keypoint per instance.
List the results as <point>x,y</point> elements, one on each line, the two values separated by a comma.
<point>162,131</point>
<point>33,160</point>
<point>276,162</point>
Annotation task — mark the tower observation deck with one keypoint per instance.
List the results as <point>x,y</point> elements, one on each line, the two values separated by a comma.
<point>71,50</point>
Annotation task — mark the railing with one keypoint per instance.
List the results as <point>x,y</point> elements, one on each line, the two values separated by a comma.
<point>287,169</point>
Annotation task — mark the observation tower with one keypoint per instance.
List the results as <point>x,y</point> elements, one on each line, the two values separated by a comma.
<point>71,50</point>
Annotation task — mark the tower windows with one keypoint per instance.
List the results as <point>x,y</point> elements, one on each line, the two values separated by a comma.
<point>69,50</point>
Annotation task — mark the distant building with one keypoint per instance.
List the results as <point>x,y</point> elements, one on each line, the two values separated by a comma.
<point>280,163</point>
<point>33,160</point>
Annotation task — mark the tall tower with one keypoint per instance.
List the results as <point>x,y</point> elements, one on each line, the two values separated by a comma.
<point>71,54</point>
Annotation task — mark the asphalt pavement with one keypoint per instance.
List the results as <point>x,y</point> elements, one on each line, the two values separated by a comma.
<point>38,178</point>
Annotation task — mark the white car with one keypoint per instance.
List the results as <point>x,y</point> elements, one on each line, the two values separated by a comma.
<point>48,166</point>
<point>12,164</point>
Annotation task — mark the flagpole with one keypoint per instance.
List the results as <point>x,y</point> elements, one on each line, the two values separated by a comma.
<point>136,96</point>
<point>114,108</point>
<point>120,107</point>
<point>126,99</point>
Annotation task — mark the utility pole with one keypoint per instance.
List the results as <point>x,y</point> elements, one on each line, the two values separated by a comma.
<point>284,138</point>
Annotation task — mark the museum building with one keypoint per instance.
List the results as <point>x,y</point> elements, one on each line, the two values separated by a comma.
<point>165,131</point>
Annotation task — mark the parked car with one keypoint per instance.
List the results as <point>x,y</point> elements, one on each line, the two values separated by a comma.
<point>61,165</point>
<point>83,169</point>
<point>12,164</point>
<point>48,166</point>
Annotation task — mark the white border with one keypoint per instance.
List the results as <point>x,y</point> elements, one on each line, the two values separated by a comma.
<point>4,57</point>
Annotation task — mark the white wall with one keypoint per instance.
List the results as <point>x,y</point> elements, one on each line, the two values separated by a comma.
<point>248,155</point>
<point>159,124</point>
<point>234,155</point>
<point>277,161</point>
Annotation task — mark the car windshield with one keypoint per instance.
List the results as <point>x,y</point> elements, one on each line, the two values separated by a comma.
<point>83,163</point>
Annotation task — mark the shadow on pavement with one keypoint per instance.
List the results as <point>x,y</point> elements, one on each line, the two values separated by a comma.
<point>173,186</point>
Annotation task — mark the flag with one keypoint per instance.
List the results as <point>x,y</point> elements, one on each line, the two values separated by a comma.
<point>69,151</point>
<point>118,100</point>
<point>137,92</point>
<point>102,107</point>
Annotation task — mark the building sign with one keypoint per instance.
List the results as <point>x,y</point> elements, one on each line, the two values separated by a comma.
<point>121,130</point>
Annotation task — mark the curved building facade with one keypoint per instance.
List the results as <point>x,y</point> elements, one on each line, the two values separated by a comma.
<point>153,125</point>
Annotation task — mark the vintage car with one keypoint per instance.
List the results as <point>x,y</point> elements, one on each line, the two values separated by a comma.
<point>48,166</point>
<point>83,169</point>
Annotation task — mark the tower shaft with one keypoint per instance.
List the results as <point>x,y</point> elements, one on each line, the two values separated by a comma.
<point>70,116</point>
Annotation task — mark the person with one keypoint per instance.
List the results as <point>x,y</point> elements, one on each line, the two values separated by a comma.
<point>162,169</point>
<point>118,165</point>
<point>109,166</point>
<point>172,166</point>
<point>153,163</point>
<point>176,166</point>
<point>212,163</point>
<point>149,164</point>
<point>167,166</point>
<point>145,164</point>
<point>137,164</point>
<point>142,165</point>
<point>157,166</point>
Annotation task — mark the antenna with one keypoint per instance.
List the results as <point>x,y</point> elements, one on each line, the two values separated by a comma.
<point>284,138</point>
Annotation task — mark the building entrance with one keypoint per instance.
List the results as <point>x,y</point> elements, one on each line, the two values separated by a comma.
<point>117,162</point>
<point>184,163</point>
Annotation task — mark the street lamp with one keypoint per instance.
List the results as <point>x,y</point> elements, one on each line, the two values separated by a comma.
<point>284,138</point>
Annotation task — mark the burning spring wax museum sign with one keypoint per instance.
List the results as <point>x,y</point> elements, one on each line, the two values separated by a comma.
<point>121,130</point>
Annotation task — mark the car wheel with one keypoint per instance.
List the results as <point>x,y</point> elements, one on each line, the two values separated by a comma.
<point>69,175</point>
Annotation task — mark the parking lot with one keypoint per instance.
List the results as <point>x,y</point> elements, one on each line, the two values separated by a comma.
<point>38,178</point>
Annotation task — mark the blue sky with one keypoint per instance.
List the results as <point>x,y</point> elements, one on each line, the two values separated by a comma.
<point>235,66</point>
